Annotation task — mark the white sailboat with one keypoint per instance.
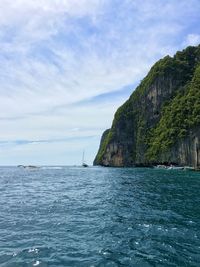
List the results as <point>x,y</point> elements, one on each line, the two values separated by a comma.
<point>83,161</point>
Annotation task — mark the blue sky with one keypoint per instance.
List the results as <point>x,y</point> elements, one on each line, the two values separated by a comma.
<point>66,65</point>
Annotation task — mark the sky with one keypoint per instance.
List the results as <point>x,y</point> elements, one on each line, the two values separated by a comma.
<point>67,65</point>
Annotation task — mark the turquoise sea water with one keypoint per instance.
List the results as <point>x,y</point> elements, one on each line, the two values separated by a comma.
<point>73,216</point>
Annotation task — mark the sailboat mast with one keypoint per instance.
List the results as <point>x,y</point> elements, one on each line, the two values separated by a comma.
<point>83,157</point>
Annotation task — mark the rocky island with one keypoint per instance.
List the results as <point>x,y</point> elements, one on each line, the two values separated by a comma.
<point>160,122</point>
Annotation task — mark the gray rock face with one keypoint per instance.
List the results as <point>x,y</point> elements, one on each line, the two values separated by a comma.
<point>186,152</point>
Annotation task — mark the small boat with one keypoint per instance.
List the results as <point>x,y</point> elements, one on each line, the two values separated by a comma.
<point>84,165</point>
<point>83,161</point>
<point>170,167</point>
<point>30,167</point>
<point>20,166</point>
<point>161,167</point>
<point>175,168</point>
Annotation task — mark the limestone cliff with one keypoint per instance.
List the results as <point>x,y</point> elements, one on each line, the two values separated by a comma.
<point>160,122</point>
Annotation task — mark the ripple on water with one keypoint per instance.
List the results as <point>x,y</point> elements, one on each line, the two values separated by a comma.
<point>99,217</point>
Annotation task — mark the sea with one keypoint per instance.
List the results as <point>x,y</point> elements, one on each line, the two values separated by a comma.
<point>93,217</point>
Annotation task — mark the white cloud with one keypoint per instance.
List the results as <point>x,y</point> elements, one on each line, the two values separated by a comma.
<point>13,10</point>
<point>192,39</point>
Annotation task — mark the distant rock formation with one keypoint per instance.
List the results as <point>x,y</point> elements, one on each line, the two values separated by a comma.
<point>160,122</point>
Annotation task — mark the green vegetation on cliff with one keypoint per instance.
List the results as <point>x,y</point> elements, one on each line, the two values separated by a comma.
<point>162,109</point>
<point>180,68</point>
<point>104,142</point>
<point>178,117</point>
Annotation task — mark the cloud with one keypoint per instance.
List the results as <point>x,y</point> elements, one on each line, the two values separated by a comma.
<point>19,10</point>
<point>192,39</point>
<point>67,64</point>
<point>35,142</point>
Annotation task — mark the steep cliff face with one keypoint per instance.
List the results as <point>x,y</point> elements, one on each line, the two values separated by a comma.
<point>160,121</point>
<point>186,151</point>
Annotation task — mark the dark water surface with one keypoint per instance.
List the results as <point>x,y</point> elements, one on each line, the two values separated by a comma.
<point>99,217</point>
